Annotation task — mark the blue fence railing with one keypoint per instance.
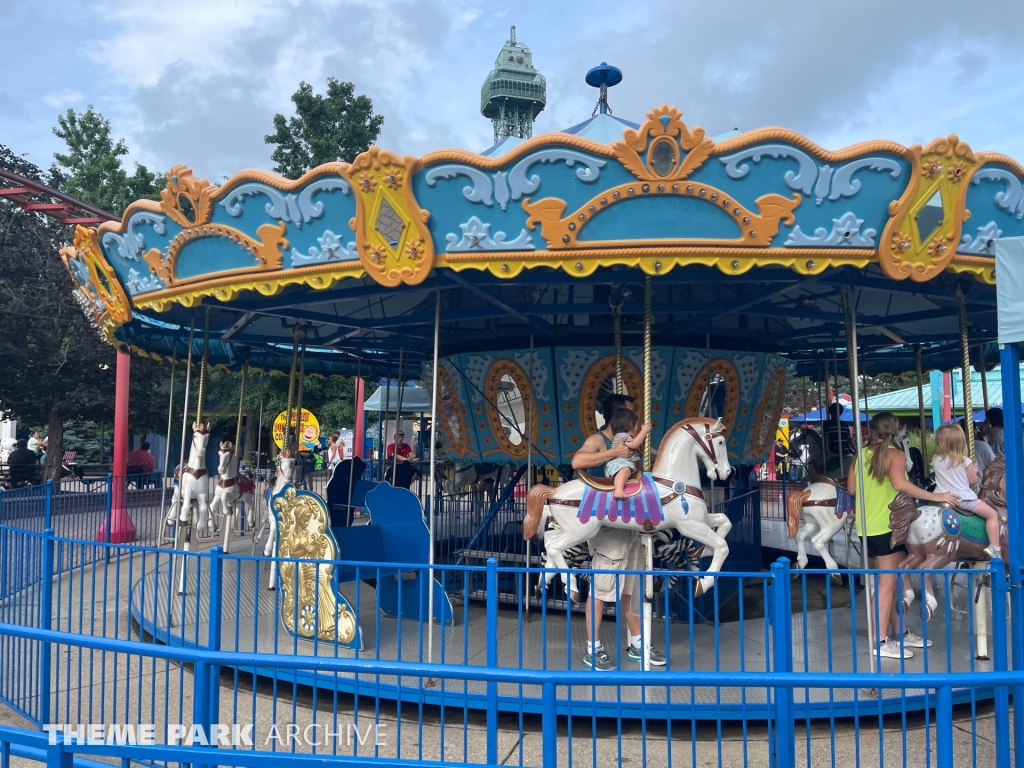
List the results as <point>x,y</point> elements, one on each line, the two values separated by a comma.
<point>146,635</point>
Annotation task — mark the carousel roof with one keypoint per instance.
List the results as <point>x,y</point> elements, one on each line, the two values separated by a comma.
<point>751,238</point>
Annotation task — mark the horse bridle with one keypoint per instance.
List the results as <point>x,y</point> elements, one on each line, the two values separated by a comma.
<point>705,443</point>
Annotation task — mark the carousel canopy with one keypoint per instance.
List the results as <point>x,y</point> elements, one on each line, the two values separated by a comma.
<point>751,238</point>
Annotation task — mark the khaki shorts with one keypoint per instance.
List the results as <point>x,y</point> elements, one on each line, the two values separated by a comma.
<point>626,554</point>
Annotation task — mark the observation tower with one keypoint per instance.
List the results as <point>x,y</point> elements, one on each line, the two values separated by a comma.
<point>514,93</point>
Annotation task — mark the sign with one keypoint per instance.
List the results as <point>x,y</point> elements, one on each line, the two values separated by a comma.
<point>783,431</point>
<point>308,430</point>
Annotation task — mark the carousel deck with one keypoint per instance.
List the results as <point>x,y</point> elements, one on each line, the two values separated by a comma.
<point>823,641</point>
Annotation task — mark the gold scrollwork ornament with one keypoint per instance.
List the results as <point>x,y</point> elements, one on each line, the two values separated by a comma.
<point>912,244</point>
<point>311,607</point>
<point>113,308</point>
<point>394,243</point>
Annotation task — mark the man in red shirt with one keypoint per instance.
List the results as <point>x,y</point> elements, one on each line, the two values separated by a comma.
<point>141,460</point>
<point>406,462</point>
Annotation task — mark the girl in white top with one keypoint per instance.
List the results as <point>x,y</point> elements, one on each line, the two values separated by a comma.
<point>334,448</point>
<point>956,473</point>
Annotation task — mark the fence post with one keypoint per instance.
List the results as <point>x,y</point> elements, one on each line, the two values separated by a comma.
<point>944,728</point>
<point>1000,658</point>
<point>780,616</point>
<point>492,660</point>
<point>46,622</point>
<point>214,632</point>
<point>549,727</point>
<point>48,506</point>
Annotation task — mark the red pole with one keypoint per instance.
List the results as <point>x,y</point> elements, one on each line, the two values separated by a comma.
<point>122,530</point>
<point>946,384</point>
<point>360,427</point>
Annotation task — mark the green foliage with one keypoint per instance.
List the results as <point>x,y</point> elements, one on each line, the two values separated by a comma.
<point>91,169</point>
<point>324,130</point>
<point>331,400</point>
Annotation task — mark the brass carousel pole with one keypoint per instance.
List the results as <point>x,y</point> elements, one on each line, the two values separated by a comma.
<point>850,313</point>
<point>200,395</point>
<point>966,374</point>
<point>619,388</point>
<point>648,543</point>
<point>287,439</point>
<point>296,444</point>
<point>920,406</point>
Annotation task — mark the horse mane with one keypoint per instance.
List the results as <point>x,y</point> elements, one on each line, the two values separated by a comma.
<point>795,507</point>
<point>702,420</point>
<point>903,512</point>
<point>993,483</point>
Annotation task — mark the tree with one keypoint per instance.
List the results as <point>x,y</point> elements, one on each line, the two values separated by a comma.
<point>324,130</point>
<point>91,169</point>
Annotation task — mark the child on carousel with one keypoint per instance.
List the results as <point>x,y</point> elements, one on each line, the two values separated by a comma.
<point>956,473</point>
<point>623,424</point>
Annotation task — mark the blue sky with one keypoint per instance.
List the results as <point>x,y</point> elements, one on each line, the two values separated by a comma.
<point>198,81</point>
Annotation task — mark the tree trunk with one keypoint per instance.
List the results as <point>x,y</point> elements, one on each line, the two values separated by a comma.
<point>54,446</point>
<point>250,436</point>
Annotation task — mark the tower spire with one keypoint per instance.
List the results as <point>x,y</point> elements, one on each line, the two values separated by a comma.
<point>514,93</point>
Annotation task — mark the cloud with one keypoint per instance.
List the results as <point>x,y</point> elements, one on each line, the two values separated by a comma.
<point>198,82</point>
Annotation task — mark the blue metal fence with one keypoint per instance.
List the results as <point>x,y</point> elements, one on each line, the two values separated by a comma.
<point>133,634</point>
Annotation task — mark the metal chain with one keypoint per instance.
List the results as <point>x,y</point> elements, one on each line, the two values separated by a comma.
<point>648,322</point>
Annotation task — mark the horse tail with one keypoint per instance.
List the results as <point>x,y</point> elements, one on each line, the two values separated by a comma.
<point>535,503</point>
<point>795,506</point>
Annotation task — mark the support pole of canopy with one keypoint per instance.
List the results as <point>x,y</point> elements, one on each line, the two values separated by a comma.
<point>257,488</point>
<point>920,406</point>
<point>839,428</point>
<point>648,544</point>
<point>984,376</point>
<point>529,468</point>
<point>181,538</point>
<point>394,461</point>
<point>851,349</point>
<point>966,373</point>
<point>707,385</point>
<point>382,459</point>
<point>352,468</point>
<point>167,442</point>
<point>433,482</point>
<point>822,414</point>
<point>188,383</point>
<point>229,514</point>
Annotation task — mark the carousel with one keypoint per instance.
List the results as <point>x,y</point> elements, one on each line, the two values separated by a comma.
<point>523,284</point>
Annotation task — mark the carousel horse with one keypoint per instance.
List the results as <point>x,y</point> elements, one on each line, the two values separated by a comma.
<point>284,476</point>
<point>226,492</point>
<point>246,502</point>
<point>193,479</point>
<point>822,507</point>
<point>936,536</point>
<point>667,497</point>
<point>805,444</point>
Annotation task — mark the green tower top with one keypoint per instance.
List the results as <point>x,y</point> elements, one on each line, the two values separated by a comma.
<point>514,93</point>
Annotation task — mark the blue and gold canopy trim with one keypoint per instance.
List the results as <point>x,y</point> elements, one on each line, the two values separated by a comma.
<point>663,196</point>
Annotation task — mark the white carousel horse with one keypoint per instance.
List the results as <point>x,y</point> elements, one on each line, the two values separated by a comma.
<point>806,444</point>
<point>246,502</point>
<point>823,515</point>
<point>226,492</point>
<point>284,476</point>
<point>193,480</point>
<point>683,506</point>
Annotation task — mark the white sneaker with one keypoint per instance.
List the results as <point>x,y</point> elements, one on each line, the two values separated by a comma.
<point>910,640</point>
<point>892,649</point>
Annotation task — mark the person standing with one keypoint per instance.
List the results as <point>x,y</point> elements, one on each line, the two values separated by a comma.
<point>611,549</point>
<point>334,449</point>
<point>885,475</point>
<point>994,431</point>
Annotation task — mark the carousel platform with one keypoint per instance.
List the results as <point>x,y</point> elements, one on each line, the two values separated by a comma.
<point>823,641</point>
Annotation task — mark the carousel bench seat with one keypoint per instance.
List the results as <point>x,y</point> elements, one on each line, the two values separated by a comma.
<point>362,544</point>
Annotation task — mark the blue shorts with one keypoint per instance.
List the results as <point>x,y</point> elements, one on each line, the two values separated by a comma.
<point>614,466</point>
